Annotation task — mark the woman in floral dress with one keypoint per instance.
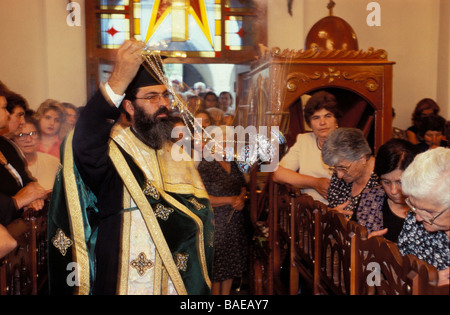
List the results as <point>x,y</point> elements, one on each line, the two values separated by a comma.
<point>226,188</point>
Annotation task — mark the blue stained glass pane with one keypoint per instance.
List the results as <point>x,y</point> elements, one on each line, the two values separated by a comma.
<point>240,5</point>
<point>113,4</point>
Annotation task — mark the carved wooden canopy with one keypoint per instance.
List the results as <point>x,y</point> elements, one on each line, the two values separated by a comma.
<point>360,80</point>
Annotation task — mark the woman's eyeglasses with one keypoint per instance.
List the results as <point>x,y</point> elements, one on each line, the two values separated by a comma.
<point>424,214</point>
<point>23,136</point>
<point>342,169</point>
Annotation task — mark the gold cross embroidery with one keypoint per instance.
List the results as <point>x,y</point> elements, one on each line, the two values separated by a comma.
<point>151,190</point>
<point>163,212</point>
<point>181,261</point>
<point>141,264</point>
<point>197,205</point>
<point>61,242</point>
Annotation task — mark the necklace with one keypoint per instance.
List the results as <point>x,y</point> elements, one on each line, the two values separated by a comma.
<point>318,146</point>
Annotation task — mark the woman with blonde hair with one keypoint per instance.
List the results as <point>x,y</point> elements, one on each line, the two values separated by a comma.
<point>50,116</point>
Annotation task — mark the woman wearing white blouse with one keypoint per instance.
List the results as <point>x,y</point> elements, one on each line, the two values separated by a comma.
<point>302,167</point>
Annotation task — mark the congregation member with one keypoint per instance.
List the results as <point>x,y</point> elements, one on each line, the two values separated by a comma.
<point>350,158</point>
<point>195,103</point>
<point>204,116</point>
<point>41,166</point>
<point>70,119</point>
<point>382,209</point>
<point>424,108</point>
<point>50,116</point>
<point>226,102</point>
<point>226,188</point>
<point>17,189</point>
<point>147,224</point>
<point>211,100</point>
<point>302,167</point>
<point>17,106</point>
<point>426,231</point>
<point>431,130</point>
<point>216,115</point>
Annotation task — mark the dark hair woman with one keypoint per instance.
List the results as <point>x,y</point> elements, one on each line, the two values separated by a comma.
<point>383,208</point>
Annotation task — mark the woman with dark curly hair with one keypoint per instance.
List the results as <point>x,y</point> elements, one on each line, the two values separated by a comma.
<point>432,130</point>
<point>382,209</point>
<point>302,167</point>
<point>424,108</point>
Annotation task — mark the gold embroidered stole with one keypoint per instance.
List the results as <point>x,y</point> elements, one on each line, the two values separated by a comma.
<point>79,249</point>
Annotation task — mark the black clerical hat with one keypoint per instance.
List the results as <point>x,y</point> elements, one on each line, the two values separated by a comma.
<point>144,77</point>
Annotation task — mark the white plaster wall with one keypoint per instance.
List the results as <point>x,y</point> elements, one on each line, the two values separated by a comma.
<point>42,57</point>
<point>415,33</point>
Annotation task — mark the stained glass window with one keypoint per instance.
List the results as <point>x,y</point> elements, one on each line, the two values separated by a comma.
<point>189,28</point>
<point>181,28</point>
<point>187,31</point>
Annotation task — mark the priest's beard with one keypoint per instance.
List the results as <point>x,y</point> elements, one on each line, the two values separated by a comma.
<point>152,130</point>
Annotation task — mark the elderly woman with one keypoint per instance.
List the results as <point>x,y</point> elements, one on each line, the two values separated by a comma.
<point>42,166</point>
<point>426,231</point>
<point>382,209</point>
<point>302,167</point>
<point>348,154</point>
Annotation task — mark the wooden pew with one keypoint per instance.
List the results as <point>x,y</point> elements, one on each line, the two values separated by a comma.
<point>334,256</point>
<point>425,279</point>
<point>306,216</point>
<point>24,270</point>
<point>16,274</point>
<point>378,268</point>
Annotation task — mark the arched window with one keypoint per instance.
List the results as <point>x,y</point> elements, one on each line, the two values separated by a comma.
<point>187,31</point>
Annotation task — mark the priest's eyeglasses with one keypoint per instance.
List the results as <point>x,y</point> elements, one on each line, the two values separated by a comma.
<point>155,98</point>
<point>424,214</point>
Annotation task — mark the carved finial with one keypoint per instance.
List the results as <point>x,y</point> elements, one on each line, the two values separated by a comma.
<point>330,6</point>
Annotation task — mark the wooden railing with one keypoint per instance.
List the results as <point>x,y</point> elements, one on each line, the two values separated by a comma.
<point>332,255</point>
<point>24,270</point>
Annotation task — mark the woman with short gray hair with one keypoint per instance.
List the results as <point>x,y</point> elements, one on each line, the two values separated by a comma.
<point>348,154</point>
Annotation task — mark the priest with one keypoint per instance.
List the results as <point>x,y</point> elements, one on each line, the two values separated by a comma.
<point>126,218</point>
